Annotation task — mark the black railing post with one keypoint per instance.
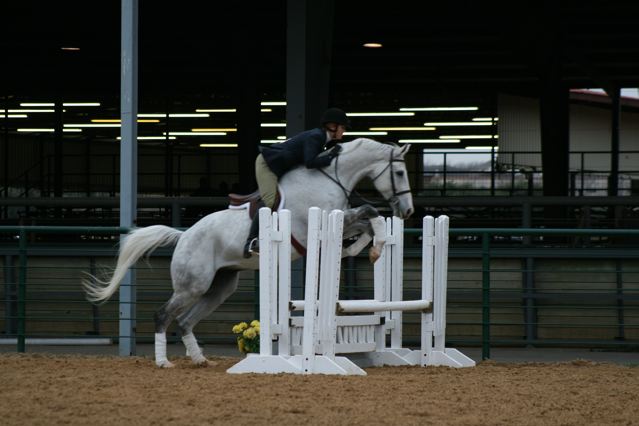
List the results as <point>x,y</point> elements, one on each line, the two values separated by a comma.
<point>485,299</point>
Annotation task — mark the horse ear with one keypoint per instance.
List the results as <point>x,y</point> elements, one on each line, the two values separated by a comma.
<point>404,149</point>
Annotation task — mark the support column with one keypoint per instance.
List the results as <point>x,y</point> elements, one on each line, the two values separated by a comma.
<point>309,39</point>
<point>615,97</point>
<point>248,87</point>
<point>554,113</point>
<point>128,164</point>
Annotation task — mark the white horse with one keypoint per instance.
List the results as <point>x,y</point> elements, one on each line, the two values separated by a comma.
<point>208,256</point>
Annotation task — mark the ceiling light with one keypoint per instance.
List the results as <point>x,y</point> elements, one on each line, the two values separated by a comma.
<point>468,108</point>
<point>189,115</point>
<point>216,110</point>
<point>372,45</point>
<point>13,116</point>
<point>37,104</point>
<point>485,119</point>
<point>412,129</point>
<point>380,114</point>
<point>30,110</point>
<point>266,110</point>
<point>218,145</point>
<point>152,138</point>
<point>71,130</point>
<point>270,141</point>
<point>429,141</point>
<point>467,137</point>
<point>81,104</point>
<point>282,138</point>
<point>273,125</point>
<point>196,134</point>
<point>272,103</point>
<point>365,133</point>
<point>70,48</point>
<point>117,120</point>
<point>36,130</point>
<point>221,129</point>
<point>154,115</point>
<point>458,123</point>
<point>92,125</point>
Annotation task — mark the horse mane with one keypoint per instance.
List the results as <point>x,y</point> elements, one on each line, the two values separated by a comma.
<point>369,144</point>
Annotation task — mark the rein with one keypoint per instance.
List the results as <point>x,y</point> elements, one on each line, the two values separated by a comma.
<point>392,200</point>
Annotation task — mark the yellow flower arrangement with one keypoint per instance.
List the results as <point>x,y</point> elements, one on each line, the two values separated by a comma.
<point>248,336</point>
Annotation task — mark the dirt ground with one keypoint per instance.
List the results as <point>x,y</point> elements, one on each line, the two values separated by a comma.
<point>96,390</point>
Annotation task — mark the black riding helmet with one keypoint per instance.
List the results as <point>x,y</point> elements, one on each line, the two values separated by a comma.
<point>336,115</point>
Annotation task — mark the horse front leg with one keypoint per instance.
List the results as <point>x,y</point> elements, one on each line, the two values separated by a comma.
<point>365,222</point>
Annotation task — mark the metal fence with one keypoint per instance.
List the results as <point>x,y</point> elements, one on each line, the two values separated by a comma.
<point>507,287</point>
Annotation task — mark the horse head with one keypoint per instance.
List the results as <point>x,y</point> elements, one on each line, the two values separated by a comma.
<point>386,168</point>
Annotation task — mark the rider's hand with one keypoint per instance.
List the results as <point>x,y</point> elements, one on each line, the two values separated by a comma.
<point>335,150</point>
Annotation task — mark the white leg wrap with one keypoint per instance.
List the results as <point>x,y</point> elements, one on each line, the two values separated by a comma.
<point>379,229</point>
<point>160,350</point>
<point>192,348</point>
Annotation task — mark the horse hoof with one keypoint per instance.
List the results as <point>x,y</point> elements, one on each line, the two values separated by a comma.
<point>165,364</point>
<point>205,363</point>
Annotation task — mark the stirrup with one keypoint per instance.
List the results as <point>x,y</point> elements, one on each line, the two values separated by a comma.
<point>254,246</point>
<point>251,246</point>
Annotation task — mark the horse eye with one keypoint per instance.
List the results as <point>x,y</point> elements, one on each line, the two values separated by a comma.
<point>399,173</point>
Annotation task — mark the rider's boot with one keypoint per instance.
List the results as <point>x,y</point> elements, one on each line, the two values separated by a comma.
<point>252,242</point>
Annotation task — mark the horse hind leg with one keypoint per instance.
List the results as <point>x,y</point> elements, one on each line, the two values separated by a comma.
<point>178,303</point>
<point>224,284</point>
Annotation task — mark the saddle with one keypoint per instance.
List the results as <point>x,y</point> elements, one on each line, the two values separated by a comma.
<point>251,202</point>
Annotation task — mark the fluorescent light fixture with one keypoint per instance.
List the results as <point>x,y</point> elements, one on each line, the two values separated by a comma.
<point>216,110</point>
<point>266,110</point>
<point>117,120</point>
<point>429,141</point>
<point>485,119</point>
<point>36,130</point>
<point>221,129</point>
<point>152,138</point>
<point>21,111</point>
<point>399,129</point>
<point>180,115</point>
<point>380,114</point>
<point>81,104</point>
<point>70,48</point>
<point>489,148</point>
<point>176,115</point>
<point>13,116</point>
<point>270,141</point>
<point>282,138</point>
<point>37,104</point>
<point>273,103</point>
<point>218,145</point>
<point>80,125</point>
<point>458,123</point>
<point>372,45</point>
<point>467,137</point>
<point>273,125</point>
<point>71,130</point>
<point>196,133</point>
<point>365,133</point>
<point>467,108</point>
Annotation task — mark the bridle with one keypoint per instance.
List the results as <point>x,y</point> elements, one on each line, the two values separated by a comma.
<point>393,200</point>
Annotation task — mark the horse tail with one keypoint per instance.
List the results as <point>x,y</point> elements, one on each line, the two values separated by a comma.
<point>138,243</point>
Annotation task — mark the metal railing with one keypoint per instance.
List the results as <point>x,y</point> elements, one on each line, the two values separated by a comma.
<point>485,296</point>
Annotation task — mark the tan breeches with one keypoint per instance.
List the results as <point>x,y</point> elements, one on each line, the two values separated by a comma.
<point>266,182</point>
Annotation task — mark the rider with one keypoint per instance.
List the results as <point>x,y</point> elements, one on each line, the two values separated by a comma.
<point>306,148</point>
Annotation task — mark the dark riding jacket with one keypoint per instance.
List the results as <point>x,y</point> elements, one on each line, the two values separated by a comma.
<point>301,149</point>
